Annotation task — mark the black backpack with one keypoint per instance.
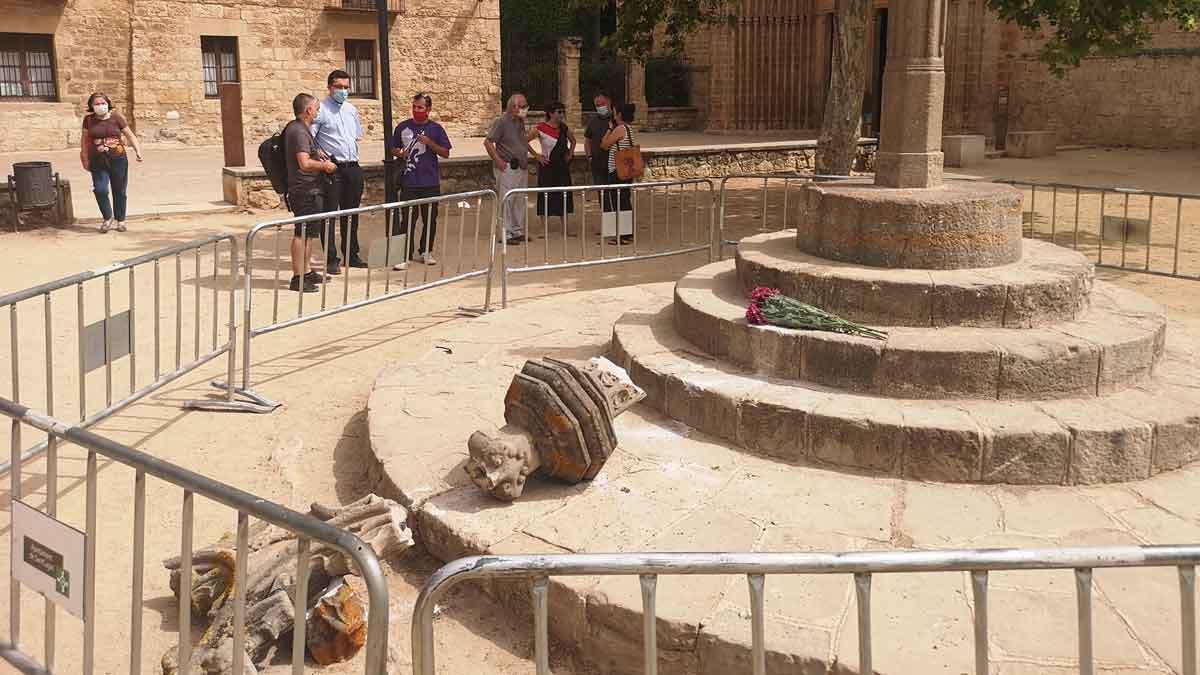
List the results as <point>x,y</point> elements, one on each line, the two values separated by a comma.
<point>273,156</point>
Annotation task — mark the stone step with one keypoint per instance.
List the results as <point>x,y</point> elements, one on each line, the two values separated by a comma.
<point>1122,436</point>
<point>1048,285</point>
<point>670,488</point>
<point>1114,345</point>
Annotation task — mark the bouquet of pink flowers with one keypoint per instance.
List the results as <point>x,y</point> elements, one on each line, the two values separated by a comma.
<point>769,306</point>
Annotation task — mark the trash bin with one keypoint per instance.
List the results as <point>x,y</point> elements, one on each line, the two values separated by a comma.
<point>35,185</point>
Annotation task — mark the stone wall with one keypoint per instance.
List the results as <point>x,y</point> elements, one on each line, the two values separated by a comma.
<point>245,186</point>
<point>1148,99</point>
<point>149,62</point>
<point>666,118</point>
<point>91,53</point>
<point>450,50</point>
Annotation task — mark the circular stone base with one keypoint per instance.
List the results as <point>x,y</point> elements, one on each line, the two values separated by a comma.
<point>670,488</point>
<point>955,226</point>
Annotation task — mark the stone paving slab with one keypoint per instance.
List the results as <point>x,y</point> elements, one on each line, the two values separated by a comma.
<point>671,488</point>
<point>1113,345</point>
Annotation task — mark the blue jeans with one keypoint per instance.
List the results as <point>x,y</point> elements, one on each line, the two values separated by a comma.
<point>115,174</point>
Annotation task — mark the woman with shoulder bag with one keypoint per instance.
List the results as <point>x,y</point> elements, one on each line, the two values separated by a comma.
<point>102,152</point>
<point>624,166</point>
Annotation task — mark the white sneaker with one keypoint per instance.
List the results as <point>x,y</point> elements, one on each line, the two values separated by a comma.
<point>427,258</point>
<point>120,226</point>
<point>105,225</point>
<point>400,267</point>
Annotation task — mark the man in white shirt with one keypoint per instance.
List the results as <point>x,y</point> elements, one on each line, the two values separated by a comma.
<point>337,131</point>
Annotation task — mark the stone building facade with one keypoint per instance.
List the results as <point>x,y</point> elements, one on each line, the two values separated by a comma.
<point>769,71</point>
<point>152,57</point>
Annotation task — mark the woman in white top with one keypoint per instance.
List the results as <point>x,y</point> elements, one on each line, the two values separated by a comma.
<point>557,145</point>
<point>618,202</point>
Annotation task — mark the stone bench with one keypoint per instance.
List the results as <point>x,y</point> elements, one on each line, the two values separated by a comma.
<point>963,150</point>
<point>1030,143</point>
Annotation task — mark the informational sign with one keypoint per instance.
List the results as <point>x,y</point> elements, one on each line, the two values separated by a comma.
<point>48,557</point>
<point>94,355</point>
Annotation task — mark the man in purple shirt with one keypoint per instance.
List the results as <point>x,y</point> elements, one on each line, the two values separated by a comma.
<point>419,141</point>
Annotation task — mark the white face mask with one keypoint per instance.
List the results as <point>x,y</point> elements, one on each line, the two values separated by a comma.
<point>522,112</point>
<point>100,109</point>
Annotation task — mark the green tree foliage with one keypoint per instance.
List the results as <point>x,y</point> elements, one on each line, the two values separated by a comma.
<point>1076,29</point>
<point>644,25</point>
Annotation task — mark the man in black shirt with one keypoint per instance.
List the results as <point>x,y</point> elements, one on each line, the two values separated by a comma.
<point>305,196</point>
<point>594,133</point>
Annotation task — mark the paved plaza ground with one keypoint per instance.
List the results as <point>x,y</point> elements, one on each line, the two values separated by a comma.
<point>315,448</point>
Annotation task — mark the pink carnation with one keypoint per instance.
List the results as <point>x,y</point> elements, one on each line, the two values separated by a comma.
<point>754,313</point>
<point>761,293</point>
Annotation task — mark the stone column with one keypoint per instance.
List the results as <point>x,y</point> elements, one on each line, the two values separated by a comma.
<point>569,49</point>
<point>635,90</point>
<point>913,91</point>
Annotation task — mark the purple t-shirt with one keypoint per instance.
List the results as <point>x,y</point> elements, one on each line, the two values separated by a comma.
<point>421,166</point>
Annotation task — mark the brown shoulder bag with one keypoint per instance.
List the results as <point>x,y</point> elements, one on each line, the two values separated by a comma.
<point>629,160</point>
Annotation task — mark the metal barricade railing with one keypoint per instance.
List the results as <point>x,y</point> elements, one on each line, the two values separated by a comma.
<point>463,249</point>
<point>307,529</point>
<point>1120,228</point>
<point>653,208</point>
<point>763,217</point>
<point>755,566</point>
<point>114,341</point>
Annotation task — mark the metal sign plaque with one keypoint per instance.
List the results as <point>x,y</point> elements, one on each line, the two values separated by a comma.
<point>93,341</point>
<point>1120,228</point>
<point>48,556</point>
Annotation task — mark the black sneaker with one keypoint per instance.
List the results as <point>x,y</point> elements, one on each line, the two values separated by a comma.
<point>358,263</point>
<point>315,277</point>
<point>333,267</point>
<point>513,241</point>
<point>309,287</point>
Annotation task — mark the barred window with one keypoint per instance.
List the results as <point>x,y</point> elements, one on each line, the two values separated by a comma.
<point>27,67</point>
<point>220,61</point>
<point>360,63</point>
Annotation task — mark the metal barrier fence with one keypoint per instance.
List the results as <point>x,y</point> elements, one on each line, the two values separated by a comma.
<point>762,218</point>
<point>643,202</point>
<point>862,564</point>
<point>307,528</point>
<point>468,257</point>
<point>1121,228</point>
<point>114,341</point>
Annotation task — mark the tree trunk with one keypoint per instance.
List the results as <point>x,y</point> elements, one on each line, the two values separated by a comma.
<point>838,144</point>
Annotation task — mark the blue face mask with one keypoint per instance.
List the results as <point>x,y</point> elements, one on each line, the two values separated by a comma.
<point>340,95</point>
<point>602,111</point>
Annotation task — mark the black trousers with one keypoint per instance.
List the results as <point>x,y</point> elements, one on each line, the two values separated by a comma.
<point>600,177</point>
<point>344,192</point>
<point>404,221</point>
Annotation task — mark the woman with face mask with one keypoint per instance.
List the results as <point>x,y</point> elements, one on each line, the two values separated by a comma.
<point>557,146</point>
<point>617,204</point>
<point>102,152</point>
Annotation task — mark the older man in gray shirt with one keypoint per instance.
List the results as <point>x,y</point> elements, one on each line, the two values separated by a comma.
<point>508,146</point>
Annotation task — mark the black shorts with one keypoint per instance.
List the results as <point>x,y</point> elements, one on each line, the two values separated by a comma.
<point>307,205</point>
